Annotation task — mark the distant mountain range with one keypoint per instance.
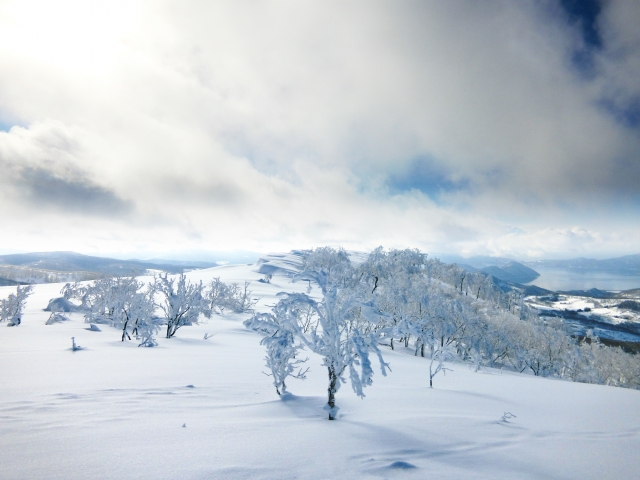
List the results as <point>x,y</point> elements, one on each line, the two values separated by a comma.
<point>496,266</point>
<point>478,262</point>
<point>181,263</point>
<point>45,267</point>
<point>626,265</point>
<point>49,267</point>
<point>512,271</point>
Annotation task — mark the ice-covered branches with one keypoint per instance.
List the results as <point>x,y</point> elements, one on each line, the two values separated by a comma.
<point>232,296</point>
<point>282,349</point>
<point>335,328</point>
<point>124,303</point>
<point>441,355</point>
<point>11,308</point>
<point>332,334</point>
<point>130,305</point>
<point>182,302</point>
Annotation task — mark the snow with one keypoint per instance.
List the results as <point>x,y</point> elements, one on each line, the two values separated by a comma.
<point>603,309</point>
<point>575,303</point>
<point>193,408</point>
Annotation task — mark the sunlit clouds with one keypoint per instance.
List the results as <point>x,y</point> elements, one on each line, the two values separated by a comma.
<point>498,128</point>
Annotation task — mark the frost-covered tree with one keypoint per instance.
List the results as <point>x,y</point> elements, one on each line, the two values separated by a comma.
<point>94,298</point>
<point>146,331</point>
<point>442,353</point>
<point>11,307</point>
<point>282,348</point>
<point>130,305</point>
<point>335,337</point>
<point>217,295</point>
<point>56,315</point>
<point>339,334</point>
<point>239,298</point>
<point>393,281</point>
<point>182,302</point>
<point>447,312</point>
<point>123,302</point>
<point>327,259</point>
<point>234,297</point>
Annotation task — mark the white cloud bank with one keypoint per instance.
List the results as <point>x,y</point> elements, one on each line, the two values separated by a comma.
<point>157,126</point>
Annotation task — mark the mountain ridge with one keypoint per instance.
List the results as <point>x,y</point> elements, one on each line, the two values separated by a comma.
<point>65,266</point>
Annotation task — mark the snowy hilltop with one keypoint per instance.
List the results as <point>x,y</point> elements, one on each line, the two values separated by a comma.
<point>249,361</point>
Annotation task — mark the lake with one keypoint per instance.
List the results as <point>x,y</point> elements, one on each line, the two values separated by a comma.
<point>560,279</point>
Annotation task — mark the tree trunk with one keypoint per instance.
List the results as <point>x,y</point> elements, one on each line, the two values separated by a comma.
<point>332,392</point>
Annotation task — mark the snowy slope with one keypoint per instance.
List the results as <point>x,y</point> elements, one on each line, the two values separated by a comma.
<point>113,410</point>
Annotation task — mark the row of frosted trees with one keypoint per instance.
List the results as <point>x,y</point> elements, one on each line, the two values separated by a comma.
<point>396,298</point>
<point>437,310</point>
<point>131,306</point>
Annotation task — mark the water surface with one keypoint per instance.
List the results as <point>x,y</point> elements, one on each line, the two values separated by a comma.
<point>560,279</point>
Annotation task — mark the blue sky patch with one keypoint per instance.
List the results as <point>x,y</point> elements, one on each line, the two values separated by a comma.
<point>627,115</point>
<point>5,126</point>
<point>584,13</point>
<point>426,175</point>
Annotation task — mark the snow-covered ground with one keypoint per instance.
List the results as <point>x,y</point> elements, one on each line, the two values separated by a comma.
<point>193,408</point>
<point>604,311</point>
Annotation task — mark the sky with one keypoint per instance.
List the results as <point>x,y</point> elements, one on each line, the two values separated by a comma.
<point>144,128</point>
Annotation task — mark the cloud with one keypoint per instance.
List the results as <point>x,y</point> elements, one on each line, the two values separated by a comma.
<point>557,243</point>
<point>43,166</point>
<point>279,125</point>
<point>43,189</point>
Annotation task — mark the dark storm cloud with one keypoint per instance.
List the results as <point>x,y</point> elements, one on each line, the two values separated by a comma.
<point>44,189</point>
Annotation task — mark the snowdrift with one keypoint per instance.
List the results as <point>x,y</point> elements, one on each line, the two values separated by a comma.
<point>197,408</point>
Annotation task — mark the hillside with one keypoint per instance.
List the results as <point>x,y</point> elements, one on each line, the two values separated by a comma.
<point>503,269</point>
<point>197,408</point>
<point>513,272</point>
<point>51,267</point>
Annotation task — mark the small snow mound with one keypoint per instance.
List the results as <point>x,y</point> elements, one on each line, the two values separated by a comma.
<point>288,264</point>
<point>61,304</point>
<point>94,328</point>
<point>399,465</point>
